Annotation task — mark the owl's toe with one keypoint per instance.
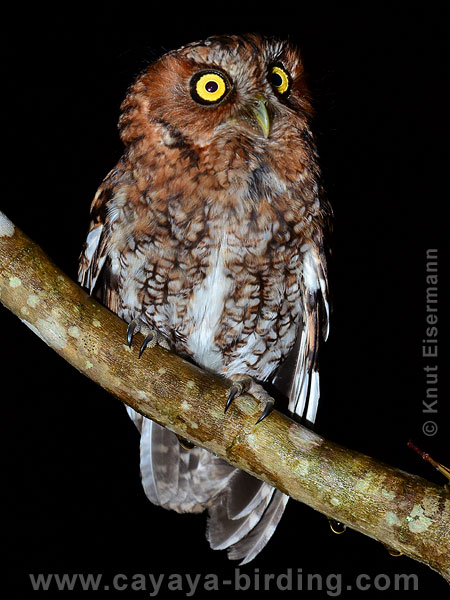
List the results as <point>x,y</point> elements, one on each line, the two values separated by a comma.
<point>244,384</point>
<point>152,336</point>
<point>150,340</point>
<point>237,389</point>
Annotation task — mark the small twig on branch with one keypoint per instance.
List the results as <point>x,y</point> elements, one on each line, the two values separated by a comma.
<point>400,510</point>
<point>441,468</point>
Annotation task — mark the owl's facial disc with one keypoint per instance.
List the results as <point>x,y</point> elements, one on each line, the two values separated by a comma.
<point>259,110</point>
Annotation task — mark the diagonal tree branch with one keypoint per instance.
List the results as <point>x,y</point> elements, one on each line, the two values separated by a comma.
<point>400,510</point>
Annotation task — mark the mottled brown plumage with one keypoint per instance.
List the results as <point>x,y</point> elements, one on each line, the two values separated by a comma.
<point>210,231</point>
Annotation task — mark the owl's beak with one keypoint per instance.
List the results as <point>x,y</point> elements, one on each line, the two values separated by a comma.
<point>261,115</point>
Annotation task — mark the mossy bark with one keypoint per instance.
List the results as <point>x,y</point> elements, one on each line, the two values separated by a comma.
<point>400,510</point>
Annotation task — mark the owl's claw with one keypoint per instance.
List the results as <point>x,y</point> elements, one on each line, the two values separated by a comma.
<point>247,384</point>
<point>131,330</point>
<point>267,410</point>
<point>150,340</point>
<point>238,388</point>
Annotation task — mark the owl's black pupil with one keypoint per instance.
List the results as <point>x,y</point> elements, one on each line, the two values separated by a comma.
<point>211,87</point>
<point>277,80</point>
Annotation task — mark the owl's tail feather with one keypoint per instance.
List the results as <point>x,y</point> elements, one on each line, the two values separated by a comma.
<point>176,478</point>
<point>245,537</point>
<point>247,548</point>
<point>243,511</point>
<point>224,531</point>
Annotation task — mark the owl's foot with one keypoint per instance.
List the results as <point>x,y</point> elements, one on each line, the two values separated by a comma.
<point>152,338</point>
<point>244,384</point>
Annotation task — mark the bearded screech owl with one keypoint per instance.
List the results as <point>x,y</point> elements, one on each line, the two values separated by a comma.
<point>208,237</point>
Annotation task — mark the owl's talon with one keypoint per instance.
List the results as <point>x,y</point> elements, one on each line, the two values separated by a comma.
<point>237,389</point>
<point>243,384</point>
<point>267,410</point>
<point>150,340</point>
<point>131,330</point>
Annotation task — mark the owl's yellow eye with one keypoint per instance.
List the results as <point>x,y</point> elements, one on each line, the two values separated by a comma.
<point>280,79</point>
<point>209,87</point>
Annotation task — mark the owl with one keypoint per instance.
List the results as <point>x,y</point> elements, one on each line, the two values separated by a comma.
<point>208,237</point>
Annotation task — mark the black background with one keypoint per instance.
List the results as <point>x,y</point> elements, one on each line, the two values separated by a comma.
<point>73,497</point>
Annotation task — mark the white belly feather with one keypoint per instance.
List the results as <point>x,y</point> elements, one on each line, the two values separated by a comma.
<point>204,313</point>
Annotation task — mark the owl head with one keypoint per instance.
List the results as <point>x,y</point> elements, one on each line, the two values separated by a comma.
<point>225,87</point>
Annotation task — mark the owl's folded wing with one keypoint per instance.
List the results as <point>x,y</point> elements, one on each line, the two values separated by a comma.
<point>106,212</point>
<point>94,252</point>
<point>298,376</point>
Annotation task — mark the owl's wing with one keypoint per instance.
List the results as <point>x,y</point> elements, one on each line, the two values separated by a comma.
<point>298,375</point>
<point>94,259</point>
<point>94,251</point>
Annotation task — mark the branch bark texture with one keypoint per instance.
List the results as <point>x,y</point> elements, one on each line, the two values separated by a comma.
<point>400,510</point>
